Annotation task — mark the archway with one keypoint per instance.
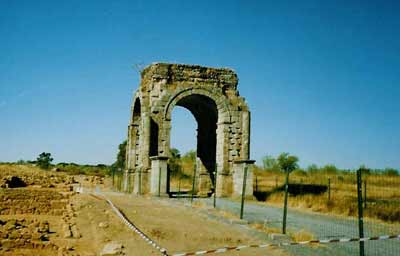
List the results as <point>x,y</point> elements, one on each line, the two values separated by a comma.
<point>205,112</point>
<point>223,118</point>
<point>133,146</point>
<point>182,153</point>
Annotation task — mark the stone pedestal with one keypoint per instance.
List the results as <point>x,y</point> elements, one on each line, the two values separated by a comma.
<point>159,176</point>
<point>238,175</point>
<point>203,184</point>
<point>224,184</point>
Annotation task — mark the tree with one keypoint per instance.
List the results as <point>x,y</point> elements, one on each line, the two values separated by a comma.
<point>390,172</point>
<point>330,169</point>
<point>44,160</point>
<point>121,156</point>
<point>270,163</point>
<point>175,154</point>
<point>190,155</point>
<point>313,168</point>
<point>288,163</point>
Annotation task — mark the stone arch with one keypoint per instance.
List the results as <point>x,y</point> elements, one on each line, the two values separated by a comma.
<point>221,103</point>
<point>223,119</point>
<point>133,143</point>
<point>134,138</point>
<point>211,111</point>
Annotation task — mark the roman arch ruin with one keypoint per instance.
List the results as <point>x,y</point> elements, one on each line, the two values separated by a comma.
<point>223,134</point>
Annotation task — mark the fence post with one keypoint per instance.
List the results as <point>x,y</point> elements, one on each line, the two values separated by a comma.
<point>179,186</point>
<point>121,180</point>
<point>140,182</point>
<point>194,180</point>
<point>285,203</point>
<point>159,181</point>
<point>360,211</point>
<point>243,191</point>
<point>113,175</point>
<point>215,186</point>
<point>329,189</point>
<point>365,194</point>
<point>128,182</point>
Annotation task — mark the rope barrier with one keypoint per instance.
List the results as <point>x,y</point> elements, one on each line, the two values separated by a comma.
<point>325,241</point>
<point>131,226</point>
<point>163,251</point>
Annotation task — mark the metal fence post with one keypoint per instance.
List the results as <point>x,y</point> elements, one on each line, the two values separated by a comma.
<point>360,211</point>
<point>215,187</point>
<point>140,182</point>
<point>329,189</point>
<point>159,181</point>
<point>113,175</point>
<point>121,179</point>
<point>179,186</point>
<point>365,194</point>
<point>285,203</point>
<point>128,182</point>
<point>194,180</point>
<point>243,191</point>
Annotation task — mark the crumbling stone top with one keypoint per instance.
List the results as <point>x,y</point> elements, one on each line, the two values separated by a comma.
<point>184,72</point>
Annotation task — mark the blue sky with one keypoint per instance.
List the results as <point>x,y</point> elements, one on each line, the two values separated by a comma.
<point>322,79</point>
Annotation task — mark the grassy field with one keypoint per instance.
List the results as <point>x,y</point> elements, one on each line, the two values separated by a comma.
<point>382,193</point>
<point>312,191</point>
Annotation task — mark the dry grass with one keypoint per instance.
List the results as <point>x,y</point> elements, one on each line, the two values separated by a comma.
<point>19,169</point>
<point>185,183</point>
<point>302,235</point>
<point>266,229</point>
<point>383,195</point>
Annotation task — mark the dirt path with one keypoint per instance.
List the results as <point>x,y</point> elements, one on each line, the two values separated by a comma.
<point>178,229</point>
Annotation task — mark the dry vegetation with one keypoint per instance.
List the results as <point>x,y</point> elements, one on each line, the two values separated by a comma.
<point>383,196</point>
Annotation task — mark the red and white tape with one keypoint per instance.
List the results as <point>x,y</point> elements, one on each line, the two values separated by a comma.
<point>131,226</point>
<point>163,251</point>
<point>326,241</point>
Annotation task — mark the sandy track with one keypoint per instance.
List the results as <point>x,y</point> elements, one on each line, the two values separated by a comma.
<point>178,229</point>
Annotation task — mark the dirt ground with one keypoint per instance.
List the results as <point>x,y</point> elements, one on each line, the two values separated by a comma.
<point>52,220</point>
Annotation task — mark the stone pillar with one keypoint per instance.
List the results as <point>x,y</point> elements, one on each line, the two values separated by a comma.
<point>203,179</point>
<point>138,181</point>
<point>128,181</point>
<point>145,145</point>
<point>238,173</point>
<point>245,135</point>
<point>224,177</point>
<point>159,176</point>
<point>125,181</point>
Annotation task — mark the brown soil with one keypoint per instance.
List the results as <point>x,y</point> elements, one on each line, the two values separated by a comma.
<point>46,218</point>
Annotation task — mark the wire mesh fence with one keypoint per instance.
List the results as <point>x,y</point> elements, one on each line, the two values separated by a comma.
<point>328,205</point>
<point>321,205</point>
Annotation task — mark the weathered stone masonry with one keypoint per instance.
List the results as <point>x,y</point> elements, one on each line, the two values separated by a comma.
<point>223,133</point>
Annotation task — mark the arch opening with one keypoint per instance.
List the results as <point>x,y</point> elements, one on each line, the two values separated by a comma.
<point>205,113</point>
<point>134,135</point>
